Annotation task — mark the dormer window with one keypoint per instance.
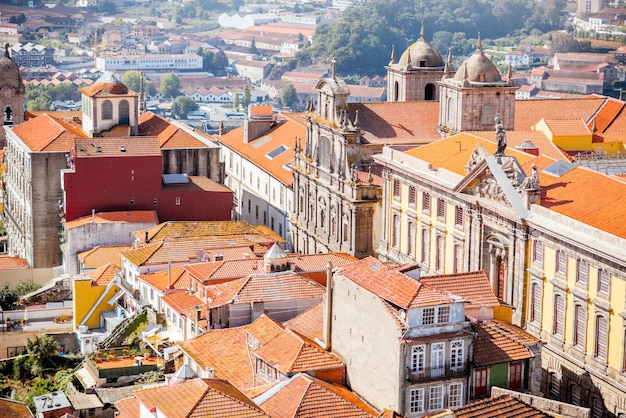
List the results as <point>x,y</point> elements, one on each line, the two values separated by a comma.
<point>436,315</point>
<point>253,342</point>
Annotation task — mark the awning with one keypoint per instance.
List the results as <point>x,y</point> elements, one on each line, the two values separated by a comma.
<point>85,378</point>
<point>115,298</point>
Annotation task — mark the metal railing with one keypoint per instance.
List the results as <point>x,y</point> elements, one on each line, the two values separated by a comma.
<point>427,373</point>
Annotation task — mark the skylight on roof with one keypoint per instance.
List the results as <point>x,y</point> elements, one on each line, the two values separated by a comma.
<point>558,168</point>
<point>375,267</point>
<point>261,141</point>
<point>276,152</point>
<point>287,167</point>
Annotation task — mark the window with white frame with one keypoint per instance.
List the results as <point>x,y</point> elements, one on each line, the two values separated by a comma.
<point>437,359</point>
<point>435,315</point>
<point>455,395</point>
<point>443,314</point>
<point>440,253</point>
<point>396,189</point>
<point>411,239</point>
<point>416,401</point>
<point>458,258</point>
<point>425,245</point>
<point>425,202</point>
<point>395,233</point>
<point>535,302</point>
<point>580,322</point>
<point>602,333</point>
<point>561,262</point>
<point>604,282</point>
<point>418,358</point>
<point>428,316</point>
<point>538,252</point>
<point>456,355</point>
<point>435,400</point>
<point>458,217</point>
<point>412,196</point>
<point>441,208</point>
<point>582,271</point>
<point>559,312</point>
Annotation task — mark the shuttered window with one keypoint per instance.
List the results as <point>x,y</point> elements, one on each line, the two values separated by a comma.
<point>582,271</point>
<point>580,322</point>
<point>561,262</point>
<point>426,202</point>
<point>411,239</point>
<point>440,253</point>
<point>604,282</point>
<point>412,196</point>
<point>559,310</point>
<point>396,189</point>
<point>396,231</point>
<point>441,208</point>
<point>425,245</point>
<point>458,259</point>
<point>602,332</point>
<point>538,252</point>
<point>535,303</point>
<point>458,217</point>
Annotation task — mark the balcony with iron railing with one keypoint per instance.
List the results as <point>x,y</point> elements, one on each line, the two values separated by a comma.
<point>429,373</point>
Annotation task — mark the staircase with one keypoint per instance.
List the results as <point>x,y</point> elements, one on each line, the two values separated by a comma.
<point>123,330</point>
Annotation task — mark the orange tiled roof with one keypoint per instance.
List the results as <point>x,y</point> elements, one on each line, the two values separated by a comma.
<point>529,112</point>
<point>186,229</point>
<point>119,147</point>
<point>12,263</point>
<point>501,407</point>
<point>102,275</point>
<point>45,133</point>
<point>606,114</point>
<point>267,288</point>
<point>256,150</point>
<point>393,286</point>
<point>567,127</point>
<point>309,323</point>
<point>397,123</point>
<point>305,396</point>
<point>499,342</point>
<point>600,206</point>
<point>135,216</point>
<point>181,301</point>
<point>14,409</point>
<point>179,278</point>
<point>472,286</point>
<point>128,408</point>
<point>228,353</point>
<point>454,152</point>
<point>101,255</point>
<point>201,397</point>
<point>516,138</point>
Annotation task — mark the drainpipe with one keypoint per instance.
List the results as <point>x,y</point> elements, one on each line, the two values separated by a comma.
<point>328,307</point>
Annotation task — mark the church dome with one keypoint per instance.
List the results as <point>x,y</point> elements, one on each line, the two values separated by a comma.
<point>421,54</point>
<point>478,68</point>
<point>9,71</point>
<point>107,85</point>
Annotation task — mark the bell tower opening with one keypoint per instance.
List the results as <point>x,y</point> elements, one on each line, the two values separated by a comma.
<point>429,92</point>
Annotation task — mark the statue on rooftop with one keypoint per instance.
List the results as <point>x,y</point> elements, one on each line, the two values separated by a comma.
<point>500,135</point>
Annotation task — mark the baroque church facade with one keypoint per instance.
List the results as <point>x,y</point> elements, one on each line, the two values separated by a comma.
<point>12,93</point>
<point>470,201</point>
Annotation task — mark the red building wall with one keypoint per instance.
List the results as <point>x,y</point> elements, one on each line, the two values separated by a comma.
<point>116,183</point>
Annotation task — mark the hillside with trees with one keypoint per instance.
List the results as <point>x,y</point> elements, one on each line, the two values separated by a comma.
<point>361,40</point>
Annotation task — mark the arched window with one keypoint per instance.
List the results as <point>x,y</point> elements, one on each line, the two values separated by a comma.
<point>107,110</point>
<point>123,109</point>
<point>429,92</point>
<point>451,110</point>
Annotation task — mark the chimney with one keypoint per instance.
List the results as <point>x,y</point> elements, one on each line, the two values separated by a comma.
<point>209,373</point>
<point>146,238</point>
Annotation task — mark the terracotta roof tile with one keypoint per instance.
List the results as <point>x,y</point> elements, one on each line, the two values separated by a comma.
<point>228,353</point>
<point>119,147</point>
<point>256,149</point>
<point>528,112</point>
<point>499,342</point>
<point>500,407</point>
<point>201,397</point>
<point>102,275</point>
<point>45,133</point>
<point>601,205</point>
<point>128,407</point>
<point>181,301</point>
<point>179,277</point>
<point>267,288</point>
<point>309,323</point>
<point>473,287</point>
<point>187,229</point>
<point>393,286</point>
<point>567,127</point>
<point>14,409</point>
<point>12,263</point>
<point>397,123</point>
<point>100,255</point>
<point>606,115</point>
<point>135,216</point>
<point>307,397</point>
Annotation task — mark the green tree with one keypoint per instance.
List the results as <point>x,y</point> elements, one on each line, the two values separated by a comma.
<point>289,95</point>
<point>132,80</point>
<point>236,101</point>
<point>220,61</point>
<point>245,101</point>
<point>182,105</point>
<point>253,49</point>
<point>170,86</point>
<point>41,349</point>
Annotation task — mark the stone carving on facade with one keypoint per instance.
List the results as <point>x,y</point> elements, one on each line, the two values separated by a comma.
<point>475,158</point>
<point>490,189</point>
<point>500,135</point>
<point>532,182</point>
